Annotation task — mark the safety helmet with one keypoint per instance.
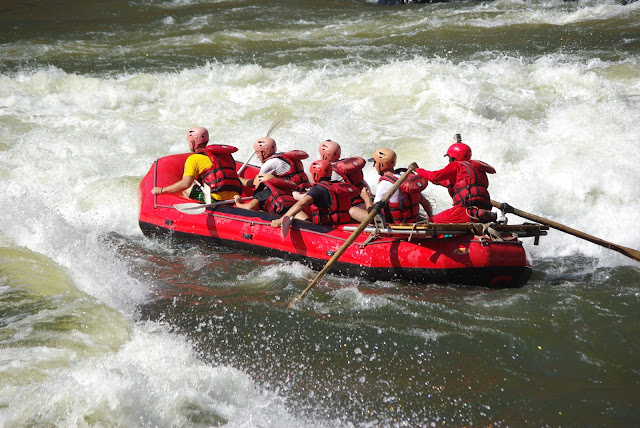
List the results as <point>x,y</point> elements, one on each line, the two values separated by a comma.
<point>264,147</point>
<point>320,169</point>
<point>459,151</point>
<point>329,151</point>
<point>196,137</point>
<point>383,160</point>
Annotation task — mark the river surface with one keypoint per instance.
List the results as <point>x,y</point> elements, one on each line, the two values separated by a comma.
<point>101,326</point>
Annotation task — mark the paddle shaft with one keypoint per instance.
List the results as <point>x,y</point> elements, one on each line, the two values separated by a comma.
<point>244,165</point>
<point>374,211</point>
<point>629,252</point>
<point>197,208</point>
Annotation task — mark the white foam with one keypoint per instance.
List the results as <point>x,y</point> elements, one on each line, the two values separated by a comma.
<point>154,379</point>
<point>552,128</point>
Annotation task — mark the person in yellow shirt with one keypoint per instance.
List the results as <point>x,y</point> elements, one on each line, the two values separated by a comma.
<point>212,165</point>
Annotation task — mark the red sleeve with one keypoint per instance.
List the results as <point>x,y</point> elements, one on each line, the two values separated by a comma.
<point>446,174</point>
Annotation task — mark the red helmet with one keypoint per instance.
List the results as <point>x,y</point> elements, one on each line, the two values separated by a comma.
<point>459,151</point>
<point>320,169</point>
<point>196,137</point>
<point>264,147</point>
<point>329,150</point>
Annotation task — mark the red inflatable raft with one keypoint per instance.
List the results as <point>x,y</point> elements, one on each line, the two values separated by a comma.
<point>469,254</point>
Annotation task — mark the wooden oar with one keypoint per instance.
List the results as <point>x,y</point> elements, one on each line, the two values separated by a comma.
<point>629,252</point>
<point>196,208</point>
<point>374,211</point>
<point>277,123</point>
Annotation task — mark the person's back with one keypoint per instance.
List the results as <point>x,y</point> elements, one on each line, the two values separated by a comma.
<point>286,165</point>
<point>404,204</point>
<point>347,170</point>
<point>467,183</point>
<point>219,173</point>
<point>325,202</point>
<point>212,164</point>
<point>331,202</point>
<point>273,195</point>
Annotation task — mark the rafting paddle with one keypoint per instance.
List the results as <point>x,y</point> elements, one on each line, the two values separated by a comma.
<point>277,123</point>
<point>374,211</point>
<point>629,252</point>
<point>285,226</point>
<point>196,208</point>
<point>206,191</point>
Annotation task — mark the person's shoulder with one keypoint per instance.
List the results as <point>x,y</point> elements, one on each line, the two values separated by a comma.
<point>278,159</point>
<point>482,166</point>
<point>196,157</point>
<point>318,188</point>
<point>386,178</point>
<point>191,159</point>
<point>201,159</point>
<point>273,161</point>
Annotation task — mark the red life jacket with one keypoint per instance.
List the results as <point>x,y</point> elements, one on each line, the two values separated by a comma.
<point>408,210</point>
<point>296,170</point>
<point>350,169</point>
<point>222,175</point>
<point>471,185</point>
<point>281,198</point>
<point>338,213</point>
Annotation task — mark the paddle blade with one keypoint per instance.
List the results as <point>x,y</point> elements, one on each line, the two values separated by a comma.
<point>293,302</point>
<point>190,208</point>
<point>206,190</point>
<point>277,123</point>
<point>286,225</point>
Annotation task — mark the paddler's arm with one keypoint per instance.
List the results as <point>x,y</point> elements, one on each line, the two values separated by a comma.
<point>426,205</point>
<point>177,187</point>
<point>253,204</point>
<point>360,214</point>
<point>448,173</point>
<point>246,182</point>
<point>295,209</point>
<point>367,197</point>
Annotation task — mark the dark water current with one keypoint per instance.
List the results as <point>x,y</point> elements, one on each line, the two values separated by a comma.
<point>559,352</point>
<point>114,36</point>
